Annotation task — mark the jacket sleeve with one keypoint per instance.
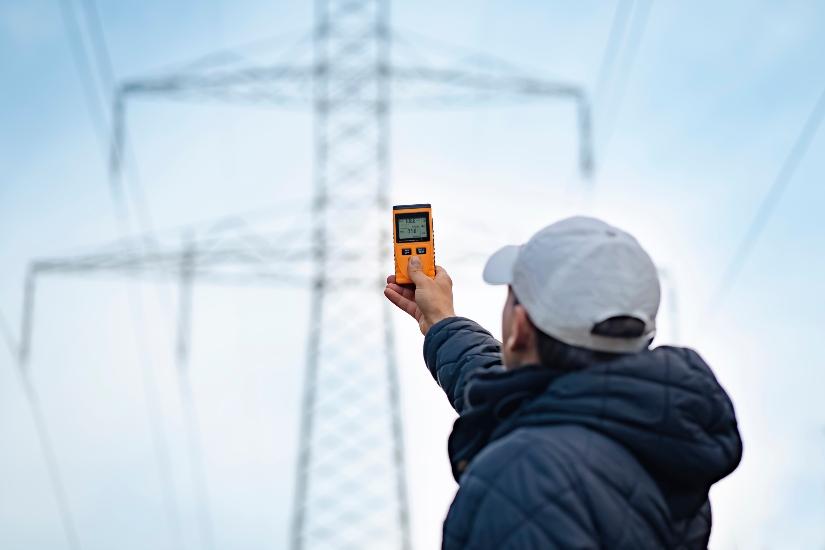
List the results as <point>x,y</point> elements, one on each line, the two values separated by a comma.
<point>453,348</point>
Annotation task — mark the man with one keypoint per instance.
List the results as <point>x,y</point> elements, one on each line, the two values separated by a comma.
<point>572,433</point>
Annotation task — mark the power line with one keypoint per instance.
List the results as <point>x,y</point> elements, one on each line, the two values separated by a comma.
<point>5,329</point>
<point>611,50</point>
<point>94,91</point>
<point>106,72</point>
<point>93,101</point>
<point>770,201</point>
<point>97,39</point>
<point>20,354</point>
<point>197,464</point>
<point>115,146</point>
<point>155,418</point>
<point>50,458</point>
<point>98,95</point>
<point>605,74</point>
<point>631,45</point>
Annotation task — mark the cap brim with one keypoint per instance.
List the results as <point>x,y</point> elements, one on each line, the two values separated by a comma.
<point>499,267</point>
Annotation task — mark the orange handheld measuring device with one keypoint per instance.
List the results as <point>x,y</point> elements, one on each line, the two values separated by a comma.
<point>413,236</point>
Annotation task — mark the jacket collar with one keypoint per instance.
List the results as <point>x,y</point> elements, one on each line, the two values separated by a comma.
<point>491,397</point>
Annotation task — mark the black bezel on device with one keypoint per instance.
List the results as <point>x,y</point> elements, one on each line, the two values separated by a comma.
<point>409,206</point>
<point>413,215</point>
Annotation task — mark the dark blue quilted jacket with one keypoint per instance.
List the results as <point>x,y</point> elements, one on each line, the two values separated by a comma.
<point>618,455</point>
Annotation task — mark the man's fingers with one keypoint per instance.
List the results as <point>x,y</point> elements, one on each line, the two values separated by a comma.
<point>405,304</point>
<point>441,273</point>
<point>392,281</point>
<point>405,291</point>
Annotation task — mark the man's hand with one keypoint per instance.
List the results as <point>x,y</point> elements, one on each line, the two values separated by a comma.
<point>429,302</point>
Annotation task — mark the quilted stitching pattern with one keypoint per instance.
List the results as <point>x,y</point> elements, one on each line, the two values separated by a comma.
<point>586,465</point>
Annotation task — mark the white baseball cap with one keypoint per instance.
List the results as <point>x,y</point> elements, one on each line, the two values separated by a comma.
<point>576,273</point>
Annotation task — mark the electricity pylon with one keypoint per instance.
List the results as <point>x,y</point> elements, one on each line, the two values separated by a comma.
<point>351,486</point>
<point>350,480</point>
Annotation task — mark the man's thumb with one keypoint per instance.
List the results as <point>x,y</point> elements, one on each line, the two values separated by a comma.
<point>414,269</point>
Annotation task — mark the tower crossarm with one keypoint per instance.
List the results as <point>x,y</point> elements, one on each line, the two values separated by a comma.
<point>286,84</point>
<point>420,85</point>
<point>265,262</point>
<point>413,85</point>
<point>482,81</point>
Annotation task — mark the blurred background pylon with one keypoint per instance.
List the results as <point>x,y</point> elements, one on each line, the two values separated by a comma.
<point>351,488</point>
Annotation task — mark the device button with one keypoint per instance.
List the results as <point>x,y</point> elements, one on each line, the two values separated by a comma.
<point>421,250</point>
<point>406,251</point>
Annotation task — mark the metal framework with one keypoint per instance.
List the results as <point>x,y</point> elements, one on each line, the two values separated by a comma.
<point>350,481</point>
<point>351,489</point>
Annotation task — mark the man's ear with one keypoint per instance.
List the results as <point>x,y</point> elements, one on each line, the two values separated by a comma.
<point>522,333</point>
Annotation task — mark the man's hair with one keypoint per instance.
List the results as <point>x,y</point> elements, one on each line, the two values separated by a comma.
<point>556,354</point>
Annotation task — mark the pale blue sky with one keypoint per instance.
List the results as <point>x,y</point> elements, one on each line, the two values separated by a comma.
<point>707,112</point>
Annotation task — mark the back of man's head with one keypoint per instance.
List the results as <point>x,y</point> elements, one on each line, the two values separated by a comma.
<point>589,289</point>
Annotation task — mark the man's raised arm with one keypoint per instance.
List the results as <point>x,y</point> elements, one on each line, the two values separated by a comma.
<point>453,346</point>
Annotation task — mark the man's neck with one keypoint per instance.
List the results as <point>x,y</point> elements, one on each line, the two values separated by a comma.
<point>523,360</point>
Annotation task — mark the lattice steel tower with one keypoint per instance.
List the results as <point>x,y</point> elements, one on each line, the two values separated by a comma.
<point>351,489</point>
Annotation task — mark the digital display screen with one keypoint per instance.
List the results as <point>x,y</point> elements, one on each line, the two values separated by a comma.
<point>412,227</point>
